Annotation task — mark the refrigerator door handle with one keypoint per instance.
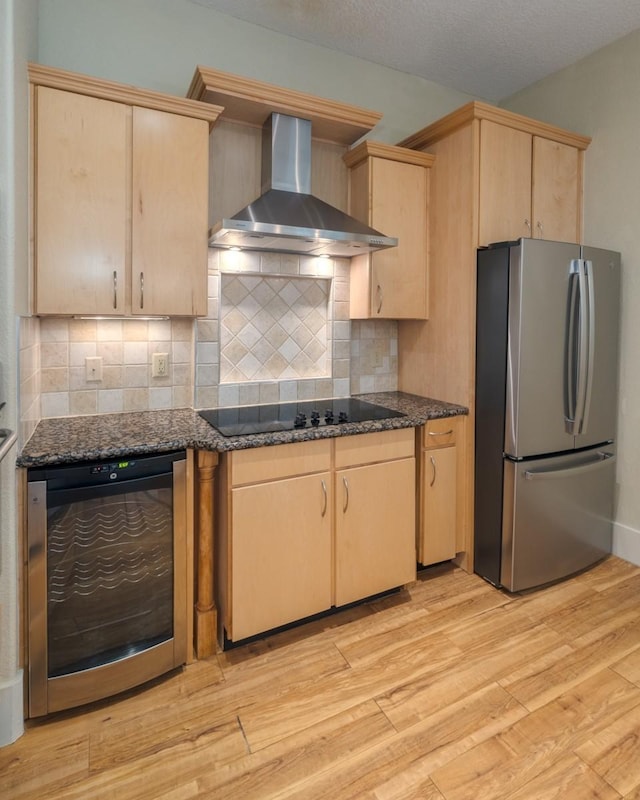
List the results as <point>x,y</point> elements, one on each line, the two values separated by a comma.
<point>571,349</point>
<point>590,342</point>
<point>567,472</point>
<point>582,343</point>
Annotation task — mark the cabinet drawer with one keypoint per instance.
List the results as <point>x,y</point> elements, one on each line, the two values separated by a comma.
<point>440,432</point>
<point>369,448</point>
<point>280,461</point>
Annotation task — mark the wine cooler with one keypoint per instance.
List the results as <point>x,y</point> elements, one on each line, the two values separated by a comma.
<point>106,577</point>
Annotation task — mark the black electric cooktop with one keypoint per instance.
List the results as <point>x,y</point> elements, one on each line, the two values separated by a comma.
<point>245,420</point>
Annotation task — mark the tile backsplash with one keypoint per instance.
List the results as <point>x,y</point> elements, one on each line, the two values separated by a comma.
<point>374,356</point>
<point>274,328</point>
<point>277,329</point>
<point>297,292</point>
<point>126,348</point>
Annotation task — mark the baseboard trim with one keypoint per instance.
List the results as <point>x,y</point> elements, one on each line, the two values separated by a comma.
<point>626,543</point>
<point>11,710</point>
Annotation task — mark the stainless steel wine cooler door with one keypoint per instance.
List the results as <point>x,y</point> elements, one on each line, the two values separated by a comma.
<point>106,585</point>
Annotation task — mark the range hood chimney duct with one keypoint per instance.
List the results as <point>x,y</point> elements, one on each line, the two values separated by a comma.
<point>286,216</point>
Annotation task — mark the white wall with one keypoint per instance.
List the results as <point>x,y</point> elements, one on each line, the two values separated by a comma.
<point>157,44</point>
<point>599,97</point>
<point>17,45</point>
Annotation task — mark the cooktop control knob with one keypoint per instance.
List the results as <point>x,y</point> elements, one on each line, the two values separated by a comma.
<point>300,421</point>
<point>315,418</point>
<point>328,416</point>
<point>343,416</point>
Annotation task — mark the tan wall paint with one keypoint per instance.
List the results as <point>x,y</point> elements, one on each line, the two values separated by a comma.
<point>158,43</point>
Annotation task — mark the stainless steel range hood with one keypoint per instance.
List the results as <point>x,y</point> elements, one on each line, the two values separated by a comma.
<point>287,217</point>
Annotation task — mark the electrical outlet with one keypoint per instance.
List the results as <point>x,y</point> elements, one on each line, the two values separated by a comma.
<point>93,368</point>
<point>159,365</point>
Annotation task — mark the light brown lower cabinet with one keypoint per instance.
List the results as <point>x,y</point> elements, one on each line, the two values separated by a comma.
<point>307,526</point>
<point>281,545</point>
<point>375,523</point>
<point>439,509</point>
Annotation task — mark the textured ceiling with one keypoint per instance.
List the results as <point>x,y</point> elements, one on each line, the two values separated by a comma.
<point>488,48</point>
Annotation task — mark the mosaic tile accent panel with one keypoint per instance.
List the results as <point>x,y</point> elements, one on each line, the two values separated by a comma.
<point>274,328</point>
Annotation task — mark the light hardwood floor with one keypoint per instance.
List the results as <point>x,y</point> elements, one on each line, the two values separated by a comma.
<point>449,689</point>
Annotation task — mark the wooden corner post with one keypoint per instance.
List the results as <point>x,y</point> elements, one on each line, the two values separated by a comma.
<point>206,615</point>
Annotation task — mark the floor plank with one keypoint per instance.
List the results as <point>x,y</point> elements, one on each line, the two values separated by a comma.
<point>296,761</point>
<point>23,766</point>
<point>614,753</point>
<point>299,706</point>
<point>567,778</point>
<point>405,763</point>
<point>447,690</point>
<point>570,668</point>
<point>629,667</point>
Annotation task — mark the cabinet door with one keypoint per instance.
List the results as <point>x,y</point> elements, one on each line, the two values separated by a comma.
<point>399,208</point>
<point>505,183</point>
<point>81,192</point>
<point>437,535</point>
<point>557,189</point>
<point>375,529</point>
<point>280,553</point>
<point>169,208</point>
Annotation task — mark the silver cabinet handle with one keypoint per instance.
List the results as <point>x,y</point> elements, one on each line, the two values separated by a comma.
<point>324,494</point>
<point>115,289</point>
<point>433,467</point>
<point>142,290</point>
<point>541,229</point>
<point>345,505</point>
<point>440,433</point>
<point>379,293</point>
<point>528,224</point>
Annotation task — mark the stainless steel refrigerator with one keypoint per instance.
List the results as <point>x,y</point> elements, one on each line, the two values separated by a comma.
<point>546,406</point>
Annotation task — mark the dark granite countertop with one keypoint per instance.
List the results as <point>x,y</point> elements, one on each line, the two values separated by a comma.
<point>70,439</point>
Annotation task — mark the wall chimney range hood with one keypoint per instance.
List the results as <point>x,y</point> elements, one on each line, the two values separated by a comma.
<point>287,217</point>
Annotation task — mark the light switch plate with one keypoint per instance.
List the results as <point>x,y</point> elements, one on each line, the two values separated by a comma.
<point>93,368</point>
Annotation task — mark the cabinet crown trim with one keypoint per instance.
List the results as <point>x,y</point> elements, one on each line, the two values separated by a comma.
<point>251,101</point>
<point>370,148</point>
<point>476,110</point>
<point>55,78</point>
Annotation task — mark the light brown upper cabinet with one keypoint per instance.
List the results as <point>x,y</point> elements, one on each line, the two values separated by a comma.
<point>120,198</point>
<point>529,186</point>
<point>492,171</point>
<point>389,190</point>
<point>556,191</point>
